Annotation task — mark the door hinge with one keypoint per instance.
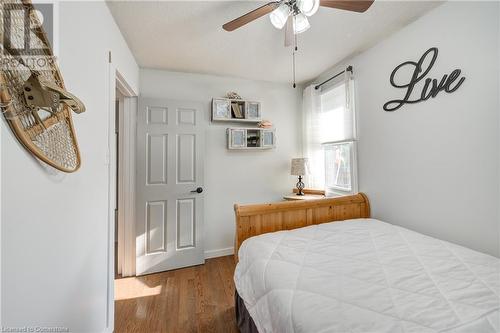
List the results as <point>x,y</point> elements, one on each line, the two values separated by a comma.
<point>116,215</point>
<point>109,56</point>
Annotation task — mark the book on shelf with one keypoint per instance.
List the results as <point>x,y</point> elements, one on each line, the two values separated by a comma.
<point>236,110</point>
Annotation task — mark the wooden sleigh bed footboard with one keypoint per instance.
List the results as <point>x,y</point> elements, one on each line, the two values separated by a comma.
<point>257,219</point>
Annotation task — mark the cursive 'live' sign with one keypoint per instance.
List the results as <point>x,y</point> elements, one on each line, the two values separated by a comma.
<point>431,88</point>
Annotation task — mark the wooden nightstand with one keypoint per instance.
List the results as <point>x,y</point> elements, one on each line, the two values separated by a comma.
<point>310,194</point>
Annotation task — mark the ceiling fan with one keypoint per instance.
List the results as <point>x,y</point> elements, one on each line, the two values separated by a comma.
<point>292,14</point>
<point>296,11</point>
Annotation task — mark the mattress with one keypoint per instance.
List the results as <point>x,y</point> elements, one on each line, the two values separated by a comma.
<point>365,275</point>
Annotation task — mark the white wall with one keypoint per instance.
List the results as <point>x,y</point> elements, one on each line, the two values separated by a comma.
<point>434,166</point>
<point>235,176</point>
<point>54,225</point>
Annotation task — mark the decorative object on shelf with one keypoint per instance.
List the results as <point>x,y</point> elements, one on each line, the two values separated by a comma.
<point>235,110</point>
<point>300,167</point>
<point>292,15</point>
<point>431,87</point>
<point>265,124</point>
<point>33,98</point>
<point>251,138</point>
<point>233,95</point>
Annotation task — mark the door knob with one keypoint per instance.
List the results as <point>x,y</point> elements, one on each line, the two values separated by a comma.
<point>198,190</point>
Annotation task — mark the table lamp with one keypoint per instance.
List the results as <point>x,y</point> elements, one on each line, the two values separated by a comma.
<point>300,167</point>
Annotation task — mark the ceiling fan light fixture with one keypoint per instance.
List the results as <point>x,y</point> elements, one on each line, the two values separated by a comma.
<point>308,7</point>
<point>300,23</point>
<point>280,15</point>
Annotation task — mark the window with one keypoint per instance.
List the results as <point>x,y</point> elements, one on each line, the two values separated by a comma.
<point>330,137</point>
<point>337,140</point>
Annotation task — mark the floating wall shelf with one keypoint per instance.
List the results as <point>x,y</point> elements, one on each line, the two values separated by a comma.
<point>251,138</point>
<point>235,110</point>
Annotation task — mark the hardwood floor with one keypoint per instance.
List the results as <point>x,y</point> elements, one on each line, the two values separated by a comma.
<point>193,299</point>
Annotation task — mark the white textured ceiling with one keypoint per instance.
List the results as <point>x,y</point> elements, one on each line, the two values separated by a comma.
<point>187,36</point>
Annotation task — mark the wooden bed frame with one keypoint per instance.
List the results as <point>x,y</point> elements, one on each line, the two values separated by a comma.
<point>253,220</point>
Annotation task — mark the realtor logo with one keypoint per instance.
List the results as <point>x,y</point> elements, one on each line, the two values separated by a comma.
<point>27,34</point>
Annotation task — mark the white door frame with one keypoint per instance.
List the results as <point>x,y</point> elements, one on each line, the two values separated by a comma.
<point>116,81</point>
<point>126,180</point>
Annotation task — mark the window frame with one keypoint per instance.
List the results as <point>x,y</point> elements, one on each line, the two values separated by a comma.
<point>348,137</point>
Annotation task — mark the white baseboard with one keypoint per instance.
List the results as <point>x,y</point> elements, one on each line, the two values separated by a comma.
<point>219,252</point>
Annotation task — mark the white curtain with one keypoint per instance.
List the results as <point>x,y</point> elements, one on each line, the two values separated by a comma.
<point>328,117</point>
<point>311,138</point>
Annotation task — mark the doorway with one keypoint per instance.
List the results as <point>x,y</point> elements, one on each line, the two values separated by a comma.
<point>120,160</point>
<point>156,193</point>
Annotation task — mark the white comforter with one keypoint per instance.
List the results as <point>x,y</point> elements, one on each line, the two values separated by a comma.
<point>366,276</point>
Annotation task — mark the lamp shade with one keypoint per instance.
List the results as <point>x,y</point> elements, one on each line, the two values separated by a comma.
<point>308,7</point>
<point>279,16</point>
<point>300,167</point>
<point>300,24</point>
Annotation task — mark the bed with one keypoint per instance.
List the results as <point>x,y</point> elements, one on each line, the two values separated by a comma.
<point>326,266</point>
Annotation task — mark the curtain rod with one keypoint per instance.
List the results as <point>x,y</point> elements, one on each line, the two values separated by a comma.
<point>349,69</point>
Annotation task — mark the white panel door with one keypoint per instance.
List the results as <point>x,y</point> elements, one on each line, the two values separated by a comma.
<point>169,188</point>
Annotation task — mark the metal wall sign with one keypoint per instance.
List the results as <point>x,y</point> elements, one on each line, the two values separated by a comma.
<point>432,87</point>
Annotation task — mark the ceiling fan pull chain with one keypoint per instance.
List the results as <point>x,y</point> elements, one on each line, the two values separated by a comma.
<point>293,57</point>
<point>293,67</point>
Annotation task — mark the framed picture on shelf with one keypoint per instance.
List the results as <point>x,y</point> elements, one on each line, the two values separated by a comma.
<point>268,138</point>
<point>221,109</point>
<point>252,110</point>
<point>238,138</point>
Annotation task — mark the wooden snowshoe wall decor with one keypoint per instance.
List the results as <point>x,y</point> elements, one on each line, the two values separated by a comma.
<point>33,98</point>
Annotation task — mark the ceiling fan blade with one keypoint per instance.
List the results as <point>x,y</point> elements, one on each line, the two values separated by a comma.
<point>249,17</point>
<point>289,31</point>
<point>359,6</point>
